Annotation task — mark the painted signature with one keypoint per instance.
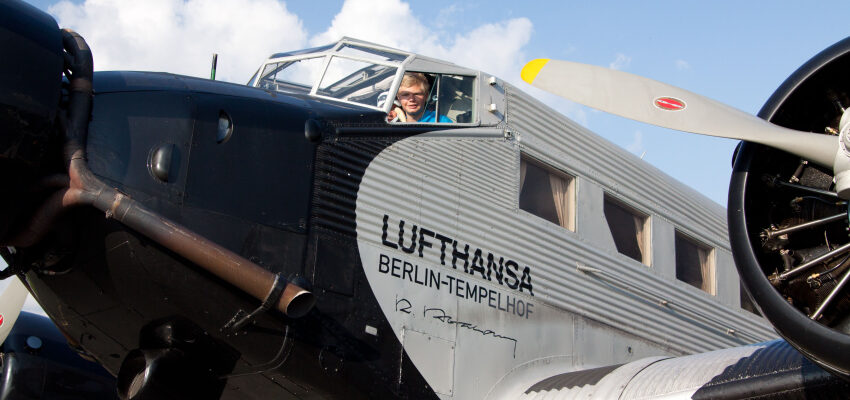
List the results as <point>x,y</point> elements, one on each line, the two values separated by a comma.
<point>403,305</point>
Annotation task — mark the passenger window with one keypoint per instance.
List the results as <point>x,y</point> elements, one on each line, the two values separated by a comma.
<point>547,193</point>
<point>429,98</point>
<point>629,228</point>
<point>694,263</point>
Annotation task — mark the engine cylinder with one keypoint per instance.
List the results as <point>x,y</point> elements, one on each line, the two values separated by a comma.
<point>782,218</point>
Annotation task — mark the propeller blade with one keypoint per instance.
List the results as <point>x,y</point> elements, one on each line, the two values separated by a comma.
<point>11,303</point>
<point>657,103</point>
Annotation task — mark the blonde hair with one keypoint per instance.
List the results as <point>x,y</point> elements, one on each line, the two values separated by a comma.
<point>415,78</point>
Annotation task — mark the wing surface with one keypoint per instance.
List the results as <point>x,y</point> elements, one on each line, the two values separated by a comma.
<point>770,370</point>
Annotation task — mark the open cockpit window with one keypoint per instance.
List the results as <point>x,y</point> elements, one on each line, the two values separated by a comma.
<point>426,97</point>
<point>694,263</point>
<point>629,228</point>
<point>547,193</point>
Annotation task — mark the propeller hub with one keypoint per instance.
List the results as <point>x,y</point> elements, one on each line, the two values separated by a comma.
<point>841,167</point>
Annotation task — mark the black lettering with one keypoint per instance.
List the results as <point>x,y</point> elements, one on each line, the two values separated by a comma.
<point>422,243</point>
<point>526,281</point>
<point>511,268</point>
<point>463,256</point>
<point>395,268</point>
<point>443,240</point>
<point>511,304</point>
<point>471,291</point>
<point>499,303</point>
<point>408,268</point>
<point>490,298</point>
<point>384,234</point>
<point>384,264</point>
<point>403,305</point>
<point>416,275</point>
<point>478,264</point>
<point>450,285</point>
<point>458,283</point>
<point>434,279</point>
<point>520,308</point>
<point>528,310</point>
<point>482,293</point>
<point>491,267</point>
<point>408,250</point>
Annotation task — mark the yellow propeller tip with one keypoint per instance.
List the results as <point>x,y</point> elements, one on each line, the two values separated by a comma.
<point>530,70</point>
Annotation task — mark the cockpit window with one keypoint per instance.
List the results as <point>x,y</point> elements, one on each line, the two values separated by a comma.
<point>455,101</point>
<point>370,75</point>
<point>292,76</point>
<point>358,81</point>
<point>449,99</point>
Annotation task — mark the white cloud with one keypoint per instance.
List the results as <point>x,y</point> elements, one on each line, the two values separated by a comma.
<point>181,36</point>
<point>448,17</point>
<point>389,22</point>
<point>621,62</point>
<point>495,48</point>
<point>682,65</point>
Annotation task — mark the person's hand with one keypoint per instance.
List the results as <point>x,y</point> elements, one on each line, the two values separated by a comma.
<point>396,115</point>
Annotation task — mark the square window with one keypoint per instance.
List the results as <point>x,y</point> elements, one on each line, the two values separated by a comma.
<point>694,263</point>
<point>629,228</point>
<point>547,193</point>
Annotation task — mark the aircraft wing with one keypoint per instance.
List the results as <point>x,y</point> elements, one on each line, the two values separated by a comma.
<point>773,370</point>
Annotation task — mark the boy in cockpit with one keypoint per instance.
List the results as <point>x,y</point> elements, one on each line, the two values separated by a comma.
<point>412,95</point>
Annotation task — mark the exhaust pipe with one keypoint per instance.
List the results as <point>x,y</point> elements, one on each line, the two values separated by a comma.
<point>84,188</point>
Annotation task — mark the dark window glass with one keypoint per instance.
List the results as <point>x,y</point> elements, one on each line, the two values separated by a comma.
<point>547,194</point>
<point>693,264</point>
<point>628,228</point>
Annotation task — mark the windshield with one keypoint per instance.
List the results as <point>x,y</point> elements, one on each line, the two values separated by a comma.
<point>357,81</point>
<point>351,73</point>
<point>292,76</point>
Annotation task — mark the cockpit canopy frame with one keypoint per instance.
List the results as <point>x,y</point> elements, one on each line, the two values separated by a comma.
<point>367,74</point>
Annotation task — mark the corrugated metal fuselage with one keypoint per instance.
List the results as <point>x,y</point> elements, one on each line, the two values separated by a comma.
<point>431,282</point>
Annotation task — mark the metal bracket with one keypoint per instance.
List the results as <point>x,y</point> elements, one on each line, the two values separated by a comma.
<point>240,319</point>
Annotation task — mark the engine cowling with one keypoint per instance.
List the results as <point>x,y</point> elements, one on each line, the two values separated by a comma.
<point>30,89</point>
<point>788,230</point>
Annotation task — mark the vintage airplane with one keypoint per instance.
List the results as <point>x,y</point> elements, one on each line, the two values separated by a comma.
<point>282,239</point>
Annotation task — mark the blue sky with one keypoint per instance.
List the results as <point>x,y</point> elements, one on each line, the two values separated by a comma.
<point>735,52</point>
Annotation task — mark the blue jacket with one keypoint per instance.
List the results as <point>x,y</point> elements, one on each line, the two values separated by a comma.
<point>429,117</point>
